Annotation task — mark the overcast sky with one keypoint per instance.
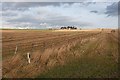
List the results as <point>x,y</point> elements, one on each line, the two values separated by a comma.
<point>42,15</point>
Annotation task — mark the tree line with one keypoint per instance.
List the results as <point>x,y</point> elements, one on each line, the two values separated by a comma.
<point>69,27</point>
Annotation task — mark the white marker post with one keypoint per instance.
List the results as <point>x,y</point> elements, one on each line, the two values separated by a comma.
<point>28,56</point>
<point>16,50</point>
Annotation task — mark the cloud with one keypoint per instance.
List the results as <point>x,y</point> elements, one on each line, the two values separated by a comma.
<point>94,11</point>
<point>50,15</point>
<point>22,6</point>
<point>60,0</point>
<point>119,8</point>
<point>9,14</point>
<point>46,0</point>
<point>55,14</point>
<point>112,10</point>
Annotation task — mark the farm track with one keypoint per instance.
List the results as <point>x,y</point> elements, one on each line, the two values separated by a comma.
<point>54,50</point>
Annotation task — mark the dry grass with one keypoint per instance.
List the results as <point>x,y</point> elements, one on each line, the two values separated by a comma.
<point>48,49</point>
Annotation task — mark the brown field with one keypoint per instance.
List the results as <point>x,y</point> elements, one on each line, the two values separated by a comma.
<point>50,49</point>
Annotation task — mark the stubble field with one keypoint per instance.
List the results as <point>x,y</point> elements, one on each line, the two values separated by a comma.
<point>59,54</point>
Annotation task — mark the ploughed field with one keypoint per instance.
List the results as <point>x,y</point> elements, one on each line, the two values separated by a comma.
<point>59,54</point>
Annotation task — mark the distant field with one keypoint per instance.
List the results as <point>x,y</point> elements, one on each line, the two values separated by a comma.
<point>56,54</point>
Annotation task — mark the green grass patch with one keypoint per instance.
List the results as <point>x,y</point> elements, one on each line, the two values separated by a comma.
<point>85,67</point>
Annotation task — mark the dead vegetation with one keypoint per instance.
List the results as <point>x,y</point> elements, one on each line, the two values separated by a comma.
<point>48,49</point>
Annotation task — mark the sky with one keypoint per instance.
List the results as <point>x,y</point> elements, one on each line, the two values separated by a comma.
<point>44,15</point>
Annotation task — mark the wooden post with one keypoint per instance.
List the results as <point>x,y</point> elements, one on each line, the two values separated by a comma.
<point>28,56</point>
<point>16,49</point>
